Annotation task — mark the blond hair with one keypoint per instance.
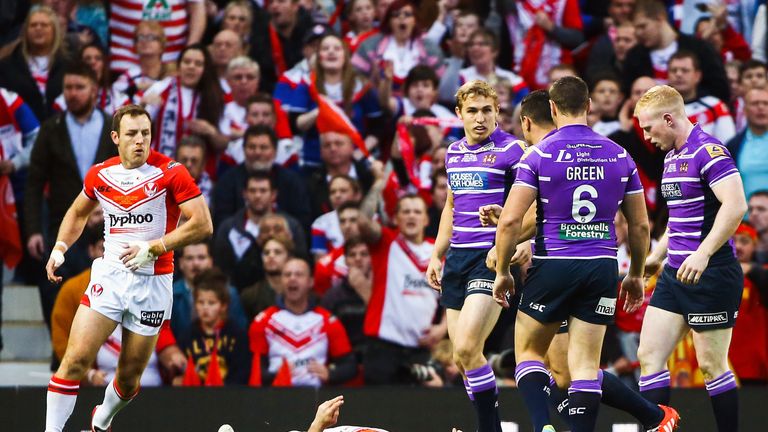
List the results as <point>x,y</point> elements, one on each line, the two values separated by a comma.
<point>476,88</point>
<point>58,37</point>
<point>661,98</point>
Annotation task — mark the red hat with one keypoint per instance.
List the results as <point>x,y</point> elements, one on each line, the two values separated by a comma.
<point>747,230</point>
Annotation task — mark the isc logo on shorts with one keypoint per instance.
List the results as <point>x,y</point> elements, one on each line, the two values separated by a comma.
<point>708,318</point>
<point>152,318</point>
<point>480,285</point>
<point>606,306</point>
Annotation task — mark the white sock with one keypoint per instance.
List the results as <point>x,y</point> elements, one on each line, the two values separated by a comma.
<point>113,402</point>
<point>62,395</point>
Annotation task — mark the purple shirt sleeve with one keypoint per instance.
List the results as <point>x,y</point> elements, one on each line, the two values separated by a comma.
<point>633,184</point>
<point>528,169</point>
<point>715,164</point>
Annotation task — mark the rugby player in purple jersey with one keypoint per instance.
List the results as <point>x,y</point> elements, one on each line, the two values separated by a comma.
<point>701,284</point>
<point>480,170</point>
<point>579,180</point>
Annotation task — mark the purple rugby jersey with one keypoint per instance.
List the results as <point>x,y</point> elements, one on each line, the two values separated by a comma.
<point>479,175</point>
<point>689,175</point>
<point>581,178</point>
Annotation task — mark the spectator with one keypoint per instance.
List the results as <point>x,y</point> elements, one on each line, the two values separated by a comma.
<point>749,345</point>
<point>709,112</point>
<point>610,52</point>
<point>278,225</point>
<point>193,260</point>
<point>349,299</point>
<point>149,42</point>
<point>439,191</point>
<point>752,74</point>
<point>238,17</point>
<point>242,81</point>
<point>191,153</point>
<point>226,46</point>
<point>212,335</point>
<point>403,311</point>
<point>606,100</point>
<point>360,15</point>
<point>399,43</point>
<point>724,38</point>
<point>107,99</point>
<point>183,23</point>
<point>335,78</point>
<point>657,41</point>
<point>759,35</point>
<point>420,91</point>
<point>323,357</point>
<point>464,24</point>
<point>749,147</point>
<point>188,103</point>
<point>326,229</point>
<point>262,109</point>
<point>263,294</point>
<point>541,36</point>
<point>35,68</point>
<point>66,147</point>
<point>19,128</point>
<point>561,70</point>
<point>300,72</point>
<point>236,249</point>
<point>277,37</point>
<point>758,218</point>
<point>260,150</point>
<point>332,268</point>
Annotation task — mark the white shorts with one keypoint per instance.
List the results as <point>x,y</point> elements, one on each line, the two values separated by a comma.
<point>139,302</point>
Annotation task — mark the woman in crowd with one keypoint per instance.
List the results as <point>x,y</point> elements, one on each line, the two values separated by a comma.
<point>334,77</point>
<point>238,17</point>
<point>35,68</point>
<point>149,41</point>
<point>107,99</point>
<point>400,43</point>
<point>191,102</point>
<point>361,15</point>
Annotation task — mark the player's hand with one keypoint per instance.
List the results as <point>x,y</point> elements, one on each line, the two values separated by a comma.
<point>693,267</point>
<point>489,214</point>
<point>503,288</point>
<point>327,414</point>
<point>632,292</point>
<point>319,370</point>
<point>522,254</point>
<point>435,273</point>
<point>136,254</point>
<point>652,266</point>
<point>54,262</point>
<point>36,246</point>
<point>490,259</point>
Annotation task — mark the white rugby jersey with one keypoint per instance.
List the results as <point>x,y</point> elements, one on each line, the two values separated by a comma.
<point>402,305</point>
<point>139,204</point>
<point>713,116</point>
<point>298,339</point>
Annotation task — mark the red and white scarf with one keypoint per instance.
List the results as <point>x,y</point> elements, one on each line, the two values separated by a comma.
<point>171,119</point>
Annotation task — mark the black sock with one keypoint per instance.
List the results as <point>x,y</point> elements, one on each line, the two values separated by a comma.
<point>483,385</point>
<point>725,401</point>
<point>558,400</point>
<point>584,404</point>
<point>655,387</point>
<point>533,382</point>
<point>619,396</point>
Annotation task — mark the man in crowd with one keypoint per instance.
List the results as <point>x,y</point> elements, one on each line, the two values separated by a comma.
<point>749,148</point>
<point>758,218</point>
<point>226,46</point>
<point>191,153</point>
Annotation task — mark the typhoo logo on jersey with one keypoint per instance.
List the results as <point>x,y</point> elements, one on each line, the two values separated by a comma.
<point>708,318</point>
<point>130,219</point>
<point>152,318</point>
<point>468,180</point>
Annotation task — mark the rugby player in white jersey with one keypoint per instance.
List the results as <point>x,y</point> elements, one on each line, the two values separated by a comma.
<point>143,193</point>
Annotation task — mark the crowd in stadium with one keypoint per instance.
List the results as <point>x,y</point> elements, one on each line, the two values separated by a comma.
<point>317,133</point>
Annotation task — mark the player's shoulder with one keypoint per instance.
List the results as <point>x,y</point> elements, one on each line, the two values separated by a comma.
<point>96,168</point>
<point>163,162</point>
<point>703,146</point>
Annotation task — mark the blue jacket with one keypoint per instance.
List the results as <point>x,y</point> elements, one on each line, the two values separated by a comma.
<point>181,314</point>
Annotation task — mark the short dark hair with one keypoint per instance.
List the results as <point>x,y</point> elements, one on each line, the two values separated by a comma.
<point>535,106</point>
<point>759,193</point>
<point>684,54</point>
<point>260,176</point>
<point>130,111</point>
<point>570,95</point>
<point>347,205</point>
<point>605,76</point>
<point>353,242</point>
<point>420,73</point>
<point>488,35</point>
<point>260,97</point>
<point>751,64</point>
<point>80,68</point>
<point>192,141</point>
<point>407,197</point>
<point>205,243</point>
<point>260,130</point>
<point>355,184</point>
<point>213,280</point>
<point>438,173</point>
<point>650,9</point>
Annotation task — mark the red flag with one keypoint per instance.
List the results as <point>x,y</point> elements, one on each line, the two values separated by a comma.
<point>213,377</point>
<point>331,118</point>
<point>283,377</point>
<point>10,241</point>
<point>191,379</point>
<point>255,379</point>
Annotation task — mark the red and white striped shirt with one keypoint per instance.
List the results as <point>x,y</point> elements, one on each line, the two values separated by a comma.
<point>713,116</point>
<point>124,15</point>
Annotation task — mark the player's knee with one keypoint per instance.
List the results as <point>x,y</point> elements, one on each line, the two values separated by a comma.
<point>711,367</point>
<point>465,353</point>
<point>74,367</point>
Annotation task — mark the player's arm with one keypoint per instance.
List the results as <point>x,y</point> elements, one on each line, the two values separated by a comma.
<point>509,230</point>
<point>370,230</point>
<point>71,227</point>
<point>197,227</point>
<point>442,242</point>
<point>730,193</point>
<point>638,239</point>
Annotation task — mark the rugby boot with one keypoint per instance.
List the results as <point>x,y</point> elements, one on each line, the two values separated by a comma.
<point>94,428</point>
<point>670,422</point>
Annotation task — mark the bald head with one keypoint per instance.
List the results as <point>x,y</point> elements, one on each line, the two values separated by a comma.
<point>226,46</point>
